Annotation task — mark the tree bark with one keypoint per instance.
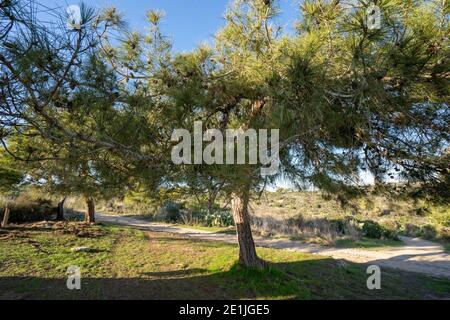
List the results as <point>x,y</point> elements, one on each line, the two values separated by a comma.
<point>210,206</point>
<point>247,250</point>
<point>60,213</point>
<point>6,216</point>
<point>90,213</point>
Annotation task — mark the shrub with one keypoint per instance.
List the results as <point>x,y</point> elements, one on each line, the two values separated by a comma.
<point>412,230</point>
<point>219,218</point>
<point>176,213</point>
<point>171,212</point>
<point>428,232</point>
<point>444,234</point>
<point>390,234</point>
<point>198,215</point>
<point>27,210</point>
<point>73,215</point>
<point>372,230</point>
<point>345,226</point>
<point>422,212</point>
<point>300,226</point>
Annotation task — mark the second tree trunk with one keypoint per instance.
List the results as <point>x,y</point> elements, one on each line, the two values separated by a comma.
<point>5,222</point>
<point>90,213</point>
<point>60,213</point>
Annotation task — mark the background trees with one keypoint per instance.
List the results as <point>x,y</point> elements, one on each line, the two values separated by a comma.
<point>64,112</point>
<point>56,86</point>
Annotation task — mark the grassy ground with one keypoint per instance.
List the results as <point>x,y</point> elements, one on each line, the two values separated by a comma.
<point>128,263</point>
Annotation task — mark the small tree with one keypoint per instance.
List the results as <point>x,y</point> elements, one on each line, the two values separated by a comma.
<point>56,86</point>
<point>60,214</point>
<point>65,114</point>
<point>10,182</point>
<point>77,173</point>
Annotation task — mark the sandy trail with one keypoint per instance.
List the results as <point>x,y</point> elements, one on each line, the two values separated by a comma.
<point>416,256</point>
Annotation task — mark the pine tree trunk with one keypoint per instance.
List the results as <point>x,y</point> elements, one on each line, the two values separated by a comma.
<point>247,250</point>
<point>60,213</point>
<point>211,205</point>
<point>90,214</point>
<point>6,216</point>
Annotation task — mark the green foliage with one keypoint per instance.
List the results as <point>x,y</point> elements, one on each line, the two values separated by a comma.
<point>174,212</point>
<point>373,230</point>
<point>10,177</point>
<point>171,212</point>
<point>218,218</point>
<point>428,232</point>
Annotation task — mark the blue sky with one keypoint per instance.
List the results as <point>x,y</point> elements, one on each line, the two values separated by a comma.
<point>187,22</point>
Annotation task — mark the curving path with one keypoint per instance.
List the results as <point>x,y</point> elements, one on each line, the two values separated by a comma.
<point>416,256</point>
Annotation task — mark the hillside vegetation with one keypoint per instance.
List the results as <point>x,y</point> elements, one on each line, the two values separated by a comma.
<point>310,215</point>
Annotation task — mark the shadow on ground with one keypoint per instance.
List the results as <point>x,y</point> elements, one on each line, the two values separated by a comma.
<point>310,279</point>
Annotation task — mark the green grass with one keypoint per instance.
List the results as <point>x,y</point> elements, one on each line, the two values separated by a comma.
<point>131,264</point>
<point>366,243</point>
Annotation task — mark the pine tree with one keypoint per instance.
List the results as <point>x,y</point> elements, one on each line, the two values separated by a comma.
<point>345,97</point>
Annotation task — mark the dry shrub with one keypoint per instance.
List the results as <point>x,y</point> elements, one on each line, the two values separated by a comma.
<point>81,230</point>
<point>444,234</point>
<point>24,209</point>
<point>313,229</point>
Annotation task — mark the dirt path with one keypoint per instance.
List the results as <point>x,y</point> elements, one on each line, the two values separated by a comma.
<point>416,256</point>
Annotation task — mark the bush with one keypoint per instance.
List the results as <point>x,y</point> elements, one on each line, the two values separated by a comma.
<point>176,213</point>
<point>412,230</point>
<point>428,232</point>
<point>26,210</point>
<point>220,218</point>
<point>390,234</point>
<point>444,234</point>
<point>171,212</point>
<point>346,226</point>
<point>372,230</point>
<point>73,215</point>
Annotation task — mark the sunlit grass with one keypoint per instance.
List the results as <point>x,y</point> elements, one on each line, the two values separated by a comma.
<point>128,263</point>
